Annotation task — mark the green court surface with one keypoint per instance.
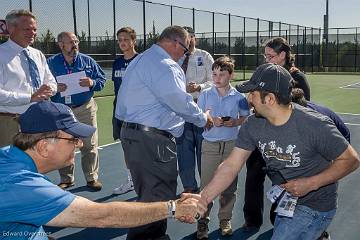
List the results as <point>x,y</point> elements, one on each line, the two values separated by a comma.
<point>325,90</point>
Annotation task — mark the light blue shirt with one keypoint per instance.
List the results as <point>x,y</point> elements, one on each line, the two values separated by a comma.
<point>234,104</point>
<point>153,94</point>
<point>28,199</point>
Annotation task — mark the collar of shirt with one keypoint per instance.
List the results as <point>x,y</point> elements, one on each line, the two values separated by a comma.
<point>16,47</point>
<point>231,91</point>
<point>16,154</point>
<point>161,51</point>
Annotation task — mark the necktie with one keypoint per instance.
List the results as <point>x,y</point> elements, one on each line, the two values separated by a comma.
<point>185,63</point>
<point>34,71</point>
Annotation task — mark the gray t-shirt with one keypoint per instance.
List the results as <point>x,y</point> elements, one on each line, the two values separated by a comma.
<point>302,147</point>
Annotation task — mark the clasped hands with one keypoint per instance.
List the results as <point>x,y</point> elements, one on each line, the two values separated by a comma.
<point>190,207</point>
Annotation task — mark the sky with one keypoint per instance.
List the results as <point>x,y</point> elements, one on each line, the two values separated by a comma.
<point>343,13</point>
<point>56,15</point>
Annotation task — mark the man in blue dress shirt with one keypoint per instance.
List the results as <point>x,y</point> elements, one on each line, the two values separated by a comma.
<point>82,104</point>
<point>49,135</point>
<point>154,106</point>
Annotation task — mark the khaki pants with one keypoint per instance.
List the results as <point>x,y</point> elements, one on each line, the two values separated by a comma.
<point>86,113</point>
<point>9,127</point>
<point>214,153</point>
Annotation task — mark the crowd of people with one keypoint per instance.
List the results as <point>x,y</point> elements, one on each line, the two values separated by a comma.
<point>174,110</point>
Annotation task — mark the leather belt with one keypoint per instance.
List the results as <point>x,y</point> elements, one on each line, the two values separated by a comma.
<point>9,114</point>
<point>140,127</point>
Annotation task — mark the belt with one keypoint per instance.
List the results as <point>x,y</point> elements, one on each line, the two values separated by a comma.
<point>140,127</point>
<point>9,114</point>
<point>75,106</point>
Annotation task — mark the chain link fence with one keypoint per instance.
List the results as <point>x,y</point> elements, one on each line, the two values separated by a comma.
<point>96,22</point>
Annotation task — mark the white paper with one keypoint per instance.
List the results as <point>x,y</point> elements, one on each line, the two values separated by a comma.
<point>72,82</point>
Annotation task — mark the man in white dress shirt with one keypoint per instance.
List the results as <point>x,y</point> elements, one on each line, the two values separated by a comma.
<point>24,74</point>
<point>196,65</point>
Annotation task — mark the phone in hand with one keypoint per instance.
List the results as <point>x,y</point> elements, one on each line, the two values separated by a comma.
<point>227,118</point>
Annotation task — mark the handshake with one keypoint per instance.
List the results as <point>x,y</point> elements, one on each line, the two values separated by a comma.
<point>190,207</point>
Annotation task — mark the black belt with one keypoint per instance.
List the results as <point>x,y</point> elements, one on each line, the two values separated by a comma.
<point>140,127</point>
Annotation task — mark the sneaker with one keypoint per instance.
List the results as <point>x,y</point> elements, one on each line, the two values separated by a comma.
<point>202,229</point>
<point>325,236</point>
<point>95,185</point>
<point>64,185</point>
<point>225,227</point>
<point>124,188</point>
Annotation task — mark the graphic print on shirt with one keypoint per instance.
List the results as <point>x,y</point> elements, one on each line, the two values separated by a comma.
<point>271,151</point>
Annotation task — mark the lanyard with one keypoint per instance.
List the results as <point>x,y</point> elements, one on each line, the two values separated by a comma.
<point>67,68</point>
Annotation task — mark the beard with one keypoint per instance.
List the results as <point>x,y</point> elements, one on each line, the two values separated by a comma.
<point>73,52</point>
<point>256,113</point>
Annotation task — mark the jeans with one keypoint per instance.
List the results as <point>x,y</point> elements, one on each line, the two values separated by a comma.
<point>187,145</point>
<point>305,224</point>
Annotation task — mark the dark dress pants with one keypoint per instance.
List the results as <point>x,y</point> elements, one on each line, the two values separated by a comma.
<point>151,159</point>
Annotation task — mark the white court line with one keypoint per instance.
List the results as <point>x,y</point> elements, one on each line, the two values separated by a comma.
<point>350,85</point>
<point>355,114</point>
<point>102,146</point>
<point>352,124</point>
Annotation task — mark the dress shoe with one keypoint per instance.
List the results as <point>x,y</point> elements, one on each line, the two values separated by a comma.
<point>248,227</point>
<point>94,185</point>
<point>65,185</point>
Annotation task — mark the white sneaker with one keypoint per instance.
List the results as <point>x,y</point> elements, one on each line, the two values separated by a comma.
<point>124,188</point>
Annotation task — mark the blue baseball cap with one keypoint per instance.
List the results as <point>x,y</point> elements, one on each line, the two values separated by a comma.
<point>46,116</point>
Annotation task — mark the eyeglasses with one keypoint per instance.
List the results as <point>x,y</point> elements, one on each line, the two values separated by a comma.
<point>269,57</point>
<point>75,42</point>
<point>73,140</point>
<point>186,50</point>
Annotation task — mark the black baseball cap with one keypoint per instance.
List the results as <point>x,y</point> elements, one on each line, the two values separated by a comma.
<point>268,77</point>
<point>190,30</point>
<point>46,116</point>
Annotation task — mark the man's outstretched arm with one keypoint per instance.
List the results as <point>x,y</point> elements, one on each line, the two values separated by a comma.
<point>85,213</point>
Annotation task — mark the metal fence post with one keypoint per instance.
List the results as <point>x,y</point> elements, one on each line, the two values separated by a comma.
<point>337,50</point>
<point>356,46</point>
<point>257,41</point>
<point>74,17</point>
<point>114,30</point>
<point>244,49</point>
<point>312,49</point>
<point>297,44</point>
<point>193,13</point>
<point>144,24</point>
<point>89,28</point>
<point>30,5</point>
<point>304,49</point>
<point>229,36</point>
<point>213,34</point>
<point>171,15</point>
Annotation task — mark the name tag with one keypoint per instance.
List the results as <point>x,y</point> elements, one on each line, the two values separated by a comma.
<point>67,99</point>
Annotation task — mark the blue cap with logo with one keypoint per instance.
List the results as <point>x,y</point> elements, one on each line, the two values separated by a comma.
<point>46,116</point>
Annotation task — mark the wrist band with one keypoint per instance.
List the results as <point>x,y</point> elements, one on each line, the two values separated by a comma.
<point>171,208</point>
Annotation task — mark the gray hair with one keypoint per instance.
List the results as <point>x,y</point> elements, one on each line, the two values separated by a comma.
<point>173,33</point>
<point>62,35</point>
<point>12,17</point>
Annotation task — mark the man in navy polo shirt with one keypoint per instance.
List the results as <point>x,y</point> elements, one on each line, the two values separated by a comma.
<point>126,40</point>
<point>82,104</point>
<point>48,137</point>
